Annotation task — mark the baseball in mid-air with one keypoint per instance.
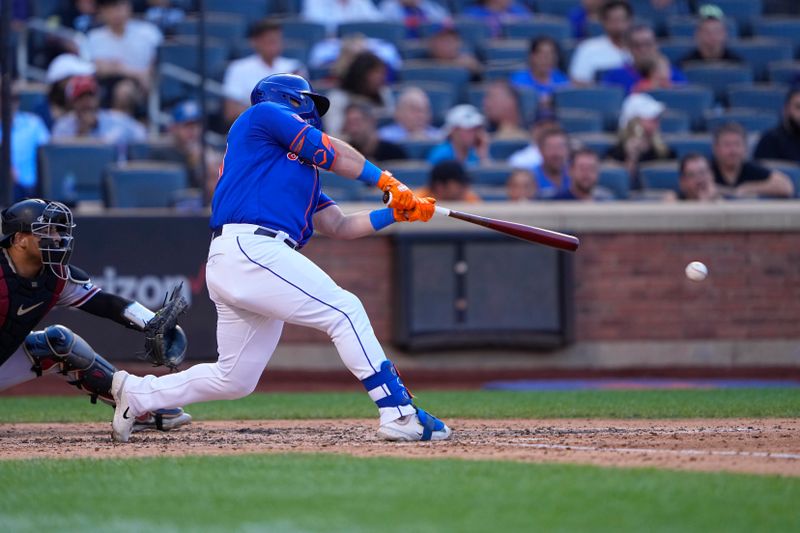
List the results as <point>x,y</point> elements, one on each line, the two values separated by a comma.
<point>696,271</point>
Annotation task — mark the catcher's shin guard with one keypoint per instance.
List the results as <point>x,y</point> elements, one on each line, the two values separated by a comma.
<point>57,348</point>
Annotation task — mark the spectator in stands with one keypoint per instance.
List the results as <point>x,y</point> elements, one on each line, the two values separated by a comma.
<point>449,182</point>
<point>521,186</point>
<point>640,137</point>
<point>581,16</point>
<point>711,38</point>
<point>551,174</point>
<point>606,51</point>
<point>543,74</point>
<point>413,13</point>
<point>467,139</point>
<point>266,39</point>
<point>185,134</point>
<point>412,119</point>
<point>87,119</point>
<point>783,141</point>
<point>59,72</point>
<point>501,106</point>
<point>360,130</point>
<point>530,156</point>
<point>338,54</point>
<point>166,14</point>
<point>446,47</point>
<point>333,13</point>
<point>78,15</point>
<point>495,13</point>
<point>645,55</point>
<point>584,171</point>
<point>696,180</point>
<point>738,177</point>
<point>28,132</point>
<point>124,52</point>
<point>365,81</point>
<point>656,74</point>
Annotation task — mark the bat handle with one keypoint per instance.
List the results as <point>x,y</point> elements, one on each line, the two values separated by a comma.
<point>442,211</point>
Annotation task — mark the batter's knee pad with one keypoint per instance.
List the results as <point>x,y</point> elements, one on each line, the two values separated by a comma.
<point>386,388</point>
<point>57,348</point>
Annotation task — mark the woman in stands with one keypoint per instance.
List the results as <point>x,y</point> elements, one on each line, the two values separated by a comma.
<point>543,74</point>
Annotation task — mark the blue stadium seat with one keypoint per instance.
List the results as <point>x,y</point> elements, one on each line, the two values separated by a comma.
<point>301,30</point>
<point>661,175</point>
<point>32,97</point>
<point>718,77</point>
<point>606,100</point>
<point>415,174</point>
<point>599,143</point>
<point>145,150</point>
<point>752,120</point>
<point>743,11</point>
<point>421,71</point>
<point>580,120</point>
<point>684,27</point>
<point>559,8</point>
<point>249,9</point>
<point>684,143</point>
<point>419,149</point>
<point>414,49</point>
<point>73,171</point>
<point>440,95</point>
<point>692,100</point>
<point>616,179</point>
<point>144,184</point>
<point>46,8</point>
<point>339,188</point>
<point>501,149</point>
<point>393,32</point>
<point>781,28</point>
<point>764,97</point>
<point>506,50</point>
<point>495,175</point>
<point>676,49</point>
<point>225,26</point>
<point>759,52</point>
<point>473,32</point>
<point>790,168</point>
<point>656,17</point>
<point>528,98</point>
<point>501,70</point>
<point>556,27</point>
<point>675,121</point>
<point>786,72</point>
<point>184,54</point>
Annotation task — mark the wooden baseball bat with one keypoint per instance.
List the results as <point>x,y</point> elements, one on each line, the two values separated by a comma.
<point>547,237</point>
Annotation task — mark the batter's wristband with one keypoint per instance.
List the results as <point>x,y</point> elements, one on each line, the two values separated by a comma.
<point>380,218</point>
<point>370,174</point>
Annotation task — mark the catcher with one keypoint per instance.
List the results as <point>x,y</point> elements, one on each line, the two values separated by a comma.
<point>35,275</point>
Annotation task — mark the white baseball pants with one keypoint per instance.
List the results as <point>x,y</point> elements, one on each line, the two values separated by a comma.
<point>257,284</point>
<point>16,369</point>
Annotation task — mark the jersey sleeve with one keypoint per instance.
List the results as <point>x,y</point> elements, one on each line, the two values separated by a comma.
<point>290,131</point>
<point>75,294</point>
<point>323,202</point>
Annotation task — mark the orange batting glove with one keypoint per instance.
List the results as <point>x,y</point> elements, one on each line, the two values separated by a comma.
<point>402,197</point>
<point>423,211</point>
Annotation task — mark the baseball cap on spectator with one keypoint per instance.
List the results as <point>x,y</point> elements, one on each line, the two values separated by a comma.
<point>639,105</point>
<point>187,111</point>
<point>462,116</point>
<point>710,11</point>
<point>68,65</point>
<point>79,86</point>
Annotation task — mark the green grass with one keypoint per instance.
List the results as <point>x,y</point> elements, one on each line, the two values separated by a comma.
<point>339,493</point>
<point>448,404</point>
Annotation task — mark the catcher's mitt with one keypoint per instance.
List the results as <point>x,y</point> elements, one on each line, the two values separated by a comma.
<point>164,341</point>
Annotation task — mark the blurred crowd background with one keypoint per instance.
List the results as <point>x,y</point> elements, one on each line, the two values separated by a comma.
<point>494,100</point>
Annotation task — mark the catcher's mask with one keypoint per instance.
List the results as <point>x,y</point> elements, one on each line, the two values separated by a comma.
<point>50,221</point>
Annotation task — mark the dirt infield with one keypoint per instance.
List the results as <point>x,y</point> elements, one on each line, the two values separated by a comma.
<point>764,446</point>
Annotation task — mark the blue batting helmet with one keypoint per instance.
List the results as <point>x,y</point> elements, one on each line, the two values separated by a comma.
<point>295,93</point>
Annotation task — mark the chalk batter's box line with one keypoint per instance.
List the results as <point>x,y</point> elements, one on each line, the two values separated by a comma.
<point>654,451</point>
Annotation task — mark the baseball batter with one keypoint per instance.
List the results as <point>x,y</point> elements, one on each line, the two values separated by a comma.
<point>35,276</point>
<point>266,207</point>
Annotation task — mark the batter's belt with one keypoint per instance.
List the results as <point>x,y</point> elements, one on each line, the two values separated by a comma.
<point>266,232</point>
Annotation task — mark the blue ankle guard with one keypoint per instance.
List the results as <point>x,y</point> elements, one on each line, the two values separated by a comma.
<point>388,380</point>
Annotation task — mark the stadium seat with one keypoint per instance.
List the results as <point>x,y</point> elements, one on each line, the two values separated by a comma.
<point>684,143</point>
<point>781,28</point>
<point>440,95</point>
<point>616,179</point>
<point>501,149</point>
<point>759,52</point>
<point>599,143</point>
<point>662,175</point>
<point>790,168</point>
<point>423,71</point>
<point>301,30</point>
<point>752,120</point>
<point>46,8</point>
<point>506,50</point>
<point>528,98</point>
<point>655,16</point>
<point>580,121</point>
<point>495,175</point>
<point>145,150</point>
<point>393,32</point>
<point>786,72</point>
<point>718,76</point>
<point>545,25</point>
<point>765,97</point>
<point>692,100</point>
<point>606,100</point>
<point>32,97</point>
<point>685,27</point>
<point>675,121</point>
<point>743,11</point>
<point>144,184</point>
<point>419,149</point>
<point>558,8</point>
<point>414,50</point>
<point>473,32</point>
<point>676,49</point>
<point>73,171</point>
<point>183,53</point>
<point>413,173</point>
<point>249,9</point>
<point>339,188</point>
<point>501,70</point>
<point>225,26</point>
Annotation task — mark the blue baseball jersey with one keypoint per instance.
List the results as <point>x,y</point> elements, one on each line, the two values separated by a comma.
<point>269,173</point>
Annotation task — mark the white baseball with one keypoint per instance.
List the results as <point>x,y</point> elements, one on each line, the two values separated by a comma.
<point>696,271</point>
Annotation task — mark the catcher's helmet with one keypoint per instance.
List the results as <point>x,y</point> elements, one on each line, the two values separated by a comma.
<point>293,92</point>
<point>50,221</point>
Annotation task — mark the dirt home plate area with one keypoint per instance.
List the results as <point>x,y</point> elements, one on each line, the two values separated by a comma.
<point>758,446</point>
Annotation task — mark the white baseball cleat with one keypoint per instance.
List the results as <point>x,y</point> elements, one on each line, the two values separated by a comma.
<point>416,427</point>
<point>122,425</point>
<point>162,420</point>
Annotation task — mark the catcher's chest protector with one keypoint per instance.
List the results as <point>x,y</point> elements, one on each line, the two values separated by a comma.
<point>23,304</point>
